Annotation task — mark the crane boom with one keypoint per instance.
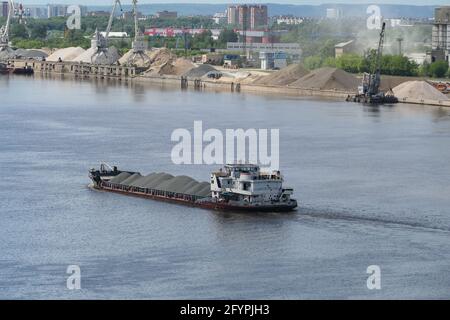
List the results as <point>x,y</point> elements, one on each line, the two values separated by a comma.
<point>4,36</point>
<point>111,18</point>
<point>136,25</point>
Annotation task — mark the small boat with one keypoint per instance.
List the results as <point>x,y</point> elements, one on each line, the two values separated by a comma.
<point>5,69</point>
<point>27,70</point>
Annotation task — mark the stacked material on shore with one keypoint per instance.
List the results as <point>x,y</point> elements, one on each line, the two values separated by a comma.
<point>200,71</point>
<point>164,182</point>
<point>66,54</point>
<point>96,56</point>
<point>176,68</point>
<point>420,90</point>
<point>164,62</point>
<point>136,59</point>
<point>30,54</point>
<point>284,76</point>
<point>390,82</point>
<point>6,53</point>
<point>328,79</point>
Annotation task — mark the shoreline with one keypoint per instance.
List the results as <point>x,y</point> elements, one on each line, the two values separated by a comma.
<point>121,73</point>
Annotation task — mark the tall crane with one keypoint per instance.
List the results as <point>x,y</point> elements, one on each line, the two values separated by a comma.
<point>4,30</point>
<point>99,41</point>
<point>111,19</point>
<point>375,77</point>
<point>370,92</point>
<point>138,46</point>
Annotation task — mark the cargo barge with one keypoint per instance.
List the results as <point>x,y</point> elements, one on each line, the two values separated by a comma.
<point>237,187</point>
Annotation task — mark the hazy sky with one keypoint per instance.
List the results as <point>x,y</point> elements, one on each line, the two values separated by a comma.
<point>108,2</point>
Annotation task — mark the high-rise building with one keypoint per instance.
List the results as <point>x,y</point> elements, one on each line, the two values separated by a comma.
<point>258,16</point>
<point>334,13</point>
<point>248,16</point>
<point>56,10</point>
<point>232,15</point>
<point>4,9</point>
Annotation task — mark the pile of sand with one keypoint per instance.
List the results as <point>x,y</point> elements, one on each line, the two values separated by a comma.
<point>92,55</point>
<point>137,60</point>
<point>182,66</point>
<point>328,79</point>
<point>284,76</point>
<point>420,90</point>
<point>161,56</point>
<point>66,54</point>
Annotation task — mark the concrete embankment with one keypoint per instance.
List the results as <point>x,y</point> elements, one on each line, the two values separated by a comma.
<point>130,73</point>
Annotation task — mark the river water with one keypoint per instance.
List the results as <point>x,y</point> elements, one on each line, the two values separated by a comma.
<point>372,184</point>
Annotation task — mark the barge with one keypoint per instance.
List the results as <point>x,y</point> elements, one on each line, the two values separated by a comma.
<point>236,187</point>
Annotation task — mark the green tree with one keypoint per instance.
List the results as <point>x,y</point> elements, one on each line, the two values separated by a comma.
<point>313,62</point>
<point>439,69</point>
<point>18,31</point>
<point>227,35</point>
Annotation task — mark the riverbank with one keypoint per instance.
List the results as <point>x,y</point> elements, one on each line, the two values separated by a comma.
<point>130,73</point>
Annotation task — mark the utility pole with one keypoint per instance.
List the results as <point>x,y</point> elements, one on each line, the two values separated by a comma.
<point>400,40</point>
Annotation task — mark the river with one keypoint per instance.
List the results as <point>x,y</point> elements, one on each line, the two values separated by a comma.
<point>372,185</point>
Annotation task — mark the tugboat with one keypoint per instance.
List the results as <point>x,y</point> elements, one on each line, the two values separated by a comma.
<point>236,187</point>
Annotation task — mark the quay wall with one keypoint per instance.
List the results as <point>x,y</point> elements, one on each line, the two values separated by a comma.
<point>123,72</point>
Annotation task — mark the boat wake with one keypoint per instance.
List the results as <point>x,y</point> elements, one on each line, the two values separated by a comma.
<point>352,217</point>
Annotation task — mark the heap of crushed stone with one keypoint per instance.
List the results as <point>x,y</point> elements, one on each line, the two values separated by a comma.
<point>420,90</point>
<point>328,79</point>
<point>284,76</point>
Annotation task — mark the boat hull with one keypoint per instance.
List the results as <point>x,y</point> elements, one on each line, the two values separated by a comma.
<point>211,205</point>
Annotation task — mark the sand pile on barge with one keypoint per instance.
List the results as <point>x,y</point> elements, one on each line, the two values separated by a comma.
<point>420,90</point>
<point>284,76</point>
<point>164,182</point>
<point>328,79</point>
<point>66,54</point>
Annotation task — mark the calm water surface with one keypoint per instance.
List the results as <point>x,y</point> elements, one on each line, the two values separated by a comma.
<point>373,184</point>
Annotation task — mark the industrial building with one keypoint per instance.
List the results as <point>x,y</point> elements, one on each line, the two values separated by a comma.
<point>167,14</point>
<point>290,48</point>
<point>273,60</point>
<point>344,48</point>
<point>441,35</point>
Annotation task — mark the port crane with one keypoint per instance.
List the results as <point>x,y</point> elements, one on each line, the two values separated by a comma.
<point>4,30</point>
<point>138,45</point>
<point>100,41</point>
<point>369,91</point>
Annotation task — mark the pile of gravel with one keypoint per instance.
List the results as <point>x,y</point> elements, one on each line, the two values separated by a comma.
<point>200,71</point>
<point>164,182</point>
<point>284,76</point>
<point>328,79</point>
